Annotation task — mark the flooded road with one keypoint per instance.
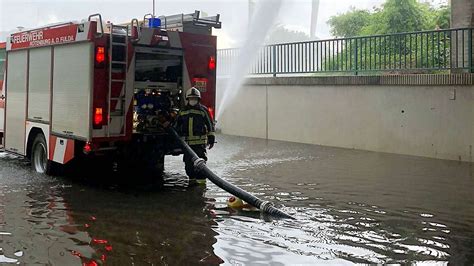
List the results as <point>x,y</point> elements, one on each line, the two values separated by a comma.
<point>351,207</point>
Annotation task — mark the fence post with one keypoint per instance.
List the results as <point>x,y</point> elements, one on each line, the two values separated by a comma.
<point>274,65</point>
<point>469,50</point>
<point>356,60</point>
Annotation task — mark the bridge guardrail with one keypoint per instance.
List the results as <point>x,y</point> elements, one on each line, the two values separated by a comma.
<point>436,51</point>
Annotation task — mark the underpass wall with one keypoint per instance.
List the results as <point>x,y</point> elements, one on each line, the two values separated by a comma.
<point>246,114</point>
<point>429,115</point>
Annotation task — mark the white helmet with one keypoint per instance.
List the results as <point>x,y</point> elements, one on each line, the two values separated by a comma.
<point>193,93</point>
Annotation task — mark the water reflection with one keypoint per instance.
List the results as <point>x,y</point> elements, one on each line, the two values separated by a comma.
<point>171,226</point>
<point>63,221</point>
<point>34,222</point>
<point>353,206</point>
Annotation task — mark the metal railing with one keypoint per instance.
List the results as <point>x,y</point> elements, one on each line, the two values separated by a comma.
<point>414,52</point>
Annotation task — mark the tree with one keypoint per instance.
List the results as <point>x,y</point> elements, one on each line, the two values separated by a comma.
<point>440,17</point>
<point>350,23</point>
<point>283,35</point>
<point>392,52</point>
<point>402,16</point>
<point>394,16</point>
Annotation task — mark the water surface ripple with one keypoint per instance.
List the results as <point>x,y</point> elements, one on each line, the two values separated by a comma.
<point>352,207</point>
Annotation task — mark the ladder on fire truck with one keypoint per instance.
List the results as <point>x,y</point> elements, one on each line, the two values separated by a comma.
<point>118,67</point>
<point>180,21</point>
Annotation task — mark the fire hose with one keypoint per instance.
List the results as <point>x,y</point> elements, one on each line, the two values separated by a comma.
<point>201,167</point>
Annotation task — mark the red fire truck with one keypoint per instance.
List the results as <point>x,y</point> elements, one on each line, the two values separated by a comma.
<point>86,90</point>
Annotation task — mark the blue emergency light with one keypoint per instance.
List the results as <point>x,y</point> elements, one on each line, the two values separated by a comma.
<point>154,23</point>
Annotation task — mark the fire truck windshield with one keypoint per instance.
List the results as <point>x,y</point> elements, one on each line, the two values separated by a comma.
<point>158,67</point>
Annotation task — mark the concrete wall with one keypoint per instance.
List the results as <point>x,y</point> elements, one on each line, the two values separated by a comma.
<point>462,16</point>
<point>462,13</point>
<point>422,120</point>
<point>246,114</point>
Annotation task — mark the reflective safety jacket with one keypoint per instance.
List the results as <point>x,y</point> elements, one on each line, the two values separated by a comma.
<point>194,123</point>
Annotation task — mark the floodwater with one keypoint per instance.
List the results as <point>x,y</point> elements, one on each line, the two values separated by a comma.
<point>351,207</point>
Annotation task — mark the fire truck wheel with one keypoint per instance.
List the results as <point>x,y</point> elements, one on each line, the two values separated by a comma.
<point>39,156</point>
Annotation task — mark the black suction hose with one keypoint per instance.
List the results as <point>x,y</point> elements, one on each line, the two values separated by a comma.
<point>201,167</point>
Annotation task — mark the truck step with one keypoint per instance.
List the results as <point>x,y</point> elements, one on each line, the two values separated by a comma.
<point>116,114</point>
<point>118,44</point>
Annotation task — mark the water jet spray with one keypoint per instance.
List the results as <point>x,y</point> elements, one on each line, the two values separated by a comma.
<point>262,20</point>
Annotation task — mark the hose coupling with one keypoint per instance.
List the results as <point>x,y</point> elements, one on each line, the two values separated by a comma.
<point>199,164</point>
<point>266,206</point>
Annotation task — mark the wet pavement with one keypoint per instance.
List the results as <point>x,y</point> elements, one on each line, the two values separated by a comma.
<point>351,207</point>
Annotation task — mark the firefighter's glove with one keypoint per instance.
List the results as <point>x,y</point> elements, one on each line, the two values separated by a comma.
<point>211,139</point>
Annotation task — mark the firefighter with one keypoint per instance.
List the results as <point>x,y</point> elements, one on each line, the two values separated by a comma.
<point>194,123</point>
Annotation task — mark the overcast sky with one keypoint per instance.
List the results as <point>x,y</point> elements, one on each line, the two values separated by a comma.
<point>295,14</point>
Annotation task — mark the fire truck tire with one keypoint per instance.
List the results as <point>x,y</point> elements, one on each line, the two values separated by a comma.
<point>39,156</point>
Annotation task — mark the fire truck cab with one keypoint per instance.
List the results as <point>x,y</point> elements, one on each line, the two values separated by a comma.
<point>84,89</point>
